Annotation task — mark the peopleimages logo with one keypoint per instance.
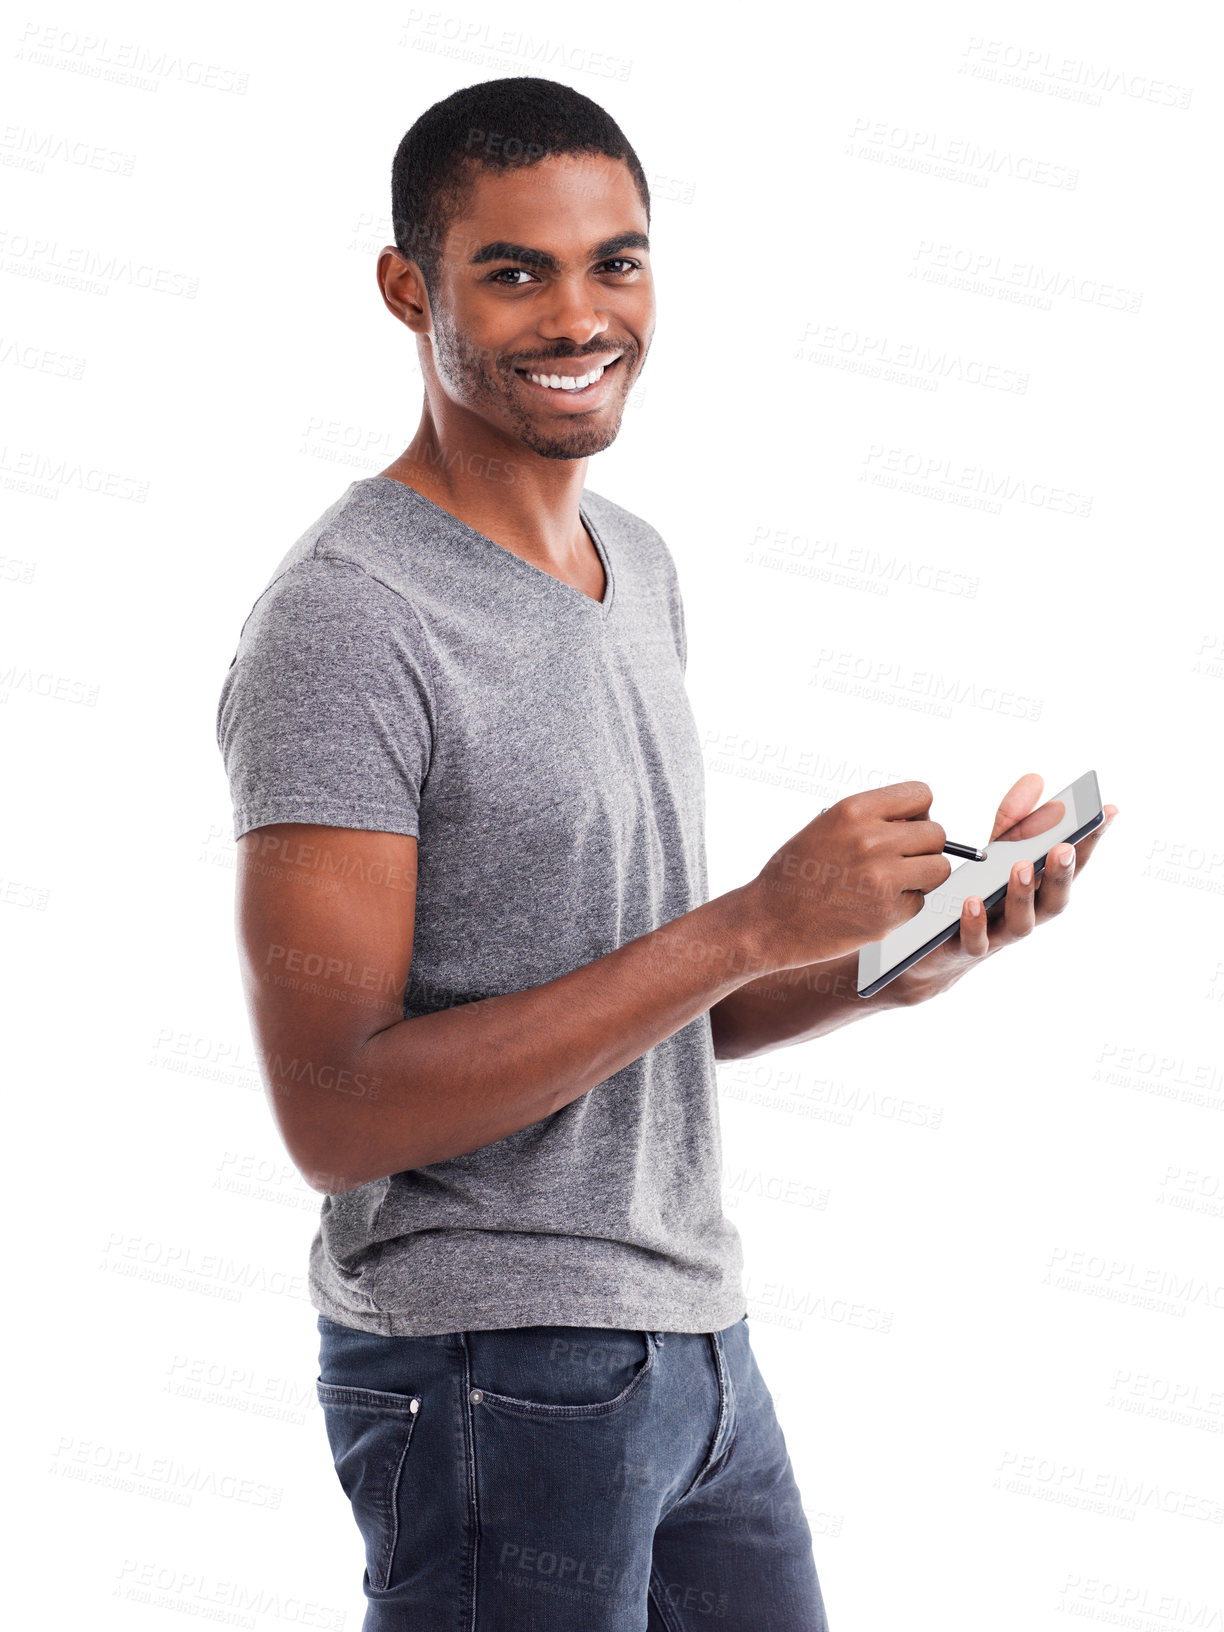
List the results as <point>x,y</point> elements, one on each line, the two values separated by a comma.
<point>889,680</point>
<point>1124,1280</point>
<point>957,157</point>
<point>886,356</point>
<point>1073,78</point>
<point>938,476</point>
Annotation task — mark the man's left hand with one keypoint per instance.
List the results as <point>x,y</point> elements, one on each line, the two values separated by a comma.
<point>1026,904</point>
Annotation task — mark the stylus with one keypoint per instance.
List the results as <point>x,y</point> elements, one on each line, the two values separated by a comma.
<point>967,852</point>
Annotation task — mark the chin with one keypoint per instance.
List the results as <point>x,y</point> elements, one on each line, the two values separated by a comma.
<point>579,443</point>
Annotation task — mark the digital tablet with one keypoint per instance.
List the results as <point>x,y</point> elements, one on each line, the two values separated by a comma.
<point>882,961</point>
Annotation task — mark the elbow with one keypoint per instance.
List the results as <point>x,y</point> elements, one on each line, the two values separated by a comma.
<point>727,1046</point>
<point>733,1043</point>
<point>336,1153</point>
<point>332,1168</point>
<point>728,1051</point>
<point>328,1184</point>
<point>327,1167</point>
<point>331,1142</point>
<point>325,1181</point>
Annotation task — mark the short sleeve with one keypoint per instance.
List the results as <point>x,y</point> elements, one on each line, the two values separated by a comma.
<point>676,610</point>
<point>327,711</point>
<point>681,632</point>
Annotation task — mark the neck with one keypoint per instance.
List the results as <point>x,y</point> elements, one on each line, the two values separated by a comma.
<point>498,486</point>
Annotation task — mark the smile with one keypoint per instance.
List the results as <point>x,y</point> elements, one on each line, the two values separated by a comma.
<point>573,385</point>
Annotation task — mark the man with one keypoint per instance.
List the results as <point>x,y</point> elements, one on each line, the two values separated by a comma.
<point>485,979</point>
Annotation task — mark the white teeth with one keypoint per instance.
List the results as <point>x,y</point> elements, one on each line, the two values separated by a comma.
<point>566,382</point>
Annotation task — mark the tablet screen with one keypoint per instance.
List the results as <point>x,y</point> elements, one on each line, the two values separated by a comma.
<point>882,961</point>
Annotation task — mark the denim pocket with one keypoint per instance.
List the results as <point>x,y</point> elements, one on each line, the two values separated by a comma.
<point>370,1431</point>
<point>563,1372</point>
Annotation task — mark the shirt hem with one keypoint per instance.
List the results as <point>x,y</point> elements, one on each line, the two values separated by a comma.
<point>676,1314</point>
<point>321,814</point>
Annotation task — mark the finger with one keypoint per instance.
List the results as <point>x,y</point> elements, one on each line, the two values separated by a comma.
<point>925,873</point>
<point>1017,802</point>
<point>1039,821</point>
<point>898,801</point>
<point>1085,847</point>
<point>1054,886</point>
<point>922,838</point>
<point>974,938</point>
<point>1019,912</point>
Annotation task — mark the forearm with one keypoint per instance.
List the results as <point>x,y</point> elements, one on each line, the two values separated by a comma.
<point>455,1080</point>
<point>792,1006</point>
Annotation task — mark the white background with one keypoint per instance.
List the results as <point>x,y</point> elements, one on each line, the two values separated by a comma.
<point>991,1309</point>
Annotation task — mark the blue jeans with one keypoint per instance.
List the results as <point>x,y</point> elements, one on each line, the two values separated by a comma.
<point>567,1479</point>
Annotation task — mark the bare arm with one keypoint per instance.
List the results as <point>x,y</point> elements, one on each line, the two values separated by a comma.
<point>325,924</point>
<point>358,1091</point>
<point>793,1006</point>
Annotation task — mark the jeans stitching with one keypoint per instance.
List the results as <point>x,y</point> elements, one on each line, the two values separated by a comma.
<point>390,1408</point>
<point>393,1529</point>
<point>699,1477</point>
<point>658,1591</point>
<point>724,1408</point>
<point>469,1435</point>
<point>577,1413</point>
<point>384,1401</point>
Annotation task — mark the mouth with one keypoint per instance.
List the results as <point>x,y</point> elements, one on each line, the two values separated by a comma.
<point>566,387</point>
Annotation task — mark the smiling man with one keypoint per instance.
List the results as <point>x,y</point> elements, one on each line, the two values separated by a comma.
<point>486,980</point>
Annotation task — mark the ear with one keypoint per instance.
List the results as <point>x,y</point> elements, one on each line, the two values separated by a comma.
<point>403,289</point>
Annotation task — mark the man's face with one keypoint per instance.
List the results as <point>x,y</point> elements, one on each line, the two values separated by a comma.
<point>546,271</point>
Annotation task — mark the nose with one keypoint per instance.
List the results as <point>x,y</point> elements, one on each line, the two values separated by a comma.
<point>572,314</point>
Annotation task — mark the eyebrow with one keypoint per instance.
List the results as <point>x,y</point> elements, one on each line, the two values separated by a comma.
<point>500,250</point>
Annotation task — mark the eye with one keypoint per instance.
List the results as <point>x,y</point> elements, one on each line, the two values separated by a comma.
<point>512,271</point>
<point>624,261</point>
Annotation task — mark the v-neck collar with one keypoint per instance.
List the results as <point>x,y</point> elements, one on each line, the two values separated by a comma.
<point>601,608</point>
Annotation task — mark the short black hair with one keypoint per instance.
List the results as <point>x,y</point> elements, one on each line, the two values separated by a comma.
<point>499,124</point>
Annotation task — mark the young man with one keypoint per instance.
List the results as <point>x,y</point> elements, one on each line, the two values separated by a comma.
<point>485,979</point>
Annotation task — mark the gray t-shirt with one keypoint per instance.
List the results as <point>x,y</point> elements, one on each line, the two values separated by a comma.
<point>403,673</point>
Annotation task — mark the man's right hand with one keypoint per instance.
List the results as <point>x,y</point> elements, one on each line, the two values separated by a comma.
<point>850,876</point>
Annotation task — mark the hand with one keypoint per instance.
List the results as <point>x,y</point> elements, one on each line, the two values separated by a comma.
<point>1025,905</point>
<point>858,870</point>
